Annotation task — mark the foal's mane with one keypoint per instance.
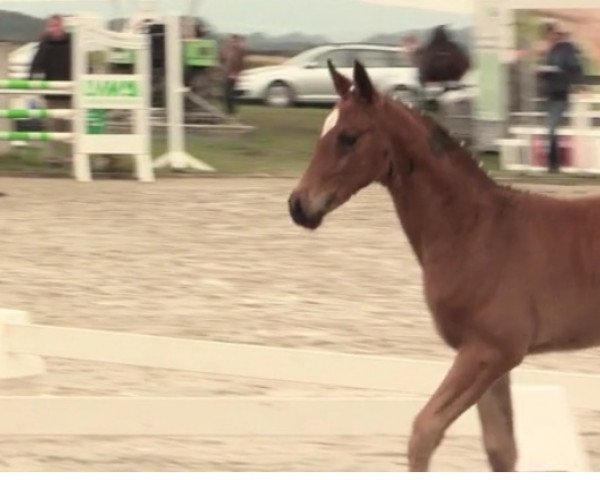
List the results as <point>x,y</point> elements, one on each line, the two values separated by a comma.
<point>445,147</point>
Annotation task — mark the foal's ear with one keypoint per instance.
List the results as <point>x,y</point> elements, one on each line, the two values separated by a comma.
<point>341,83</point>
<point>363,84</point>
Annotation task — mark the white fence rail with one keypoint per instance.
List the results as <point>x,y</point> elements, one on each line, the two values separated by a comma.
<point>547,436</point>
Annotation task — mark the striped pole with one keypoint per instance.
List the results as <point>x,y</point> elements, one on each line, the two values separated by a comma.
<point>21,113</point>
<point>33,136</point>
<point>20,84</point>
<point>47,93</point>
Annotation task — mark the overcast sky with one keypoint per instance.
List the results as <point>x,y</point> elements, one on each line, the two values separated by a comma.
<point>340,20</point>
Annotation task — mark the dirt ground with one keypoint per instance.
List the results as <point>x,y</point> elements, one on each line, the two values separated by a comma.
<point>219,259</point>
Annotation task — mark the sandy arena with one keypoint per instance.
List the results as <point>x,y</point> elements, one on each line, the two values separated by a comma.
<point>219,259</point>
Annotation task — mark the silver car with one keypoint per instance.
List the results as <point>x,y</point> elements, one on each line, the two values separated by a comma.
<point>305,78</point>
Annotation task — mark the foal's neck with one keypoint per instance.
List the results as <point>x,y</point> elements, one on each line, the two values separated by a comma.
<point>438,189</point>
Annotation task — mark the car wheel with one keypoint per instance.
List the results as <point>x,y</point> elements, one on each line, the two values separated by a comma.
<point>279,94</point>
<point>402,94</point>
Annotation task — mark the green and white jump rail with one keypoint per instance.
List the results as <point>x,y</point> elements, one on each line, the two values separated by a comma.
<point>36,136</point>
<point>20,84</point>
<point>22,113</point>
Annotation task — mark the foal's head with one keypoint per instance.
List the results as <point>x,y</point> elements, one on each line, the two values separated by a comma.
<point>351,153</point>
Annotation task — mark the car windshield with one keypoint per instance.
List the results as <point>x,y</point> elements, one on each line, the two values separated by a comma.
<point>370,57</point>
<point>302,58</point>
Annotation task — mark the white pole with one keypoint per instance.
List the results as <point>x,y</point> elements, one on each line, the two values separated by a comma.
<point>4,103</point>
<point>144,169</point>
<point>81,160</point>
<point>176,157</point>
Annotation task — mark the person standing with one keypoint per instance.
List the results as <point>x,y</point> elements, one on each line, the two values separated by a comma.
<point>232,60</point>
<point>52,62</point>
<point>411,48</point>
<point>560,72</point>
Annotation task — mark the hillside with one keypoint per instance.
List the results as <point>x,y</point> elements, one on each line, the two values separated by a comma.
<point>16,27</point>
<point>462,36</point>
<point>338,20</point>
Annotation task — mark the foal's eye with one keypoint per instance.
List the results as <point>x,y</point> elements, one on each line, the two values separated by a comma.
<point>347,139</point>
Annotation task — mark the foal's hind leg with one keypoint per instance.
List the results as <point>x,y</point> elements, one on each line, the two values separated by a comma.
<point>476,368</point>
<point>495,413</point>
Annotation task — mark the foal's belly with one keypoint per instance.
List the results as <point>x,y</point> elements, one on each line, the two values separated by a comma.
<point>569,322</point>
<point>559,343</point>
<point>560,294</point>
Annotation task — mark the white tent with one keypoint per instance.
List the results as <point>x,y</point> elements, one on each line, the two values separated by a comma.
<point>454,6</point>
<point>470,6</point>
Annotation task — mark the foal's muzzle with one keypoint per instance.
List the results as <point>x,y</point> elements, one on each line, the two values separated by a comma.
<point>300,213</point>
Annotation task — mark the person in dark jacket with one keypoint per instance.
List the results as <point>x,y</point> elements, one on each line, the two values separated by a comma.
<point>442,59</point>
<point>53,62</point>
<point>560,72</point>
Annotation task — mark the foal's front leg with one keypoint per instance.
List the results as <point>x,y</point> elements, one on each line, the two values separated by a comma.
<point>496,416</point>
<point>476,367</point>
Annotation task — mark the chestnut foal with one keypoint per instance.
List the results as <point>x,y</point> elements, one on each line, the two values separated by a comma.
<point>505,273</point>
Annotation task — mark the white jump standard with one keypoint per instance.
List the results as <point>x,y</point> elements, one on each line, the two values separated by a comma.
<point>94,92</point>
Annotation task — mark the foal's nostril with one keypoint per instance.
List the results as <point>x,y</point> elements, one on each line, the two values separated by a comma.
<point>295,207</point>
